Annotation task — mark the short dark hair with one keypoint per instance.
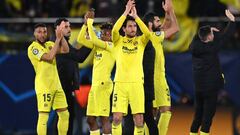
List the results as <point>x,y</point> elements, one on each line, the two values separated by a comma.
<point>39,25</point>
<point>107,25</point>
<point>58,22</point>
<point>204,31</point>
<point>129,18</point>
<point>149,17</point>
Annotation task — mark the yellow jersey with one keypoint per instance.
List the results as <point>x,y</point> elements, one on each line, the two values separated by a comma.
<point>46,73</point>
<point>129,52</point>
<point>103,61</point>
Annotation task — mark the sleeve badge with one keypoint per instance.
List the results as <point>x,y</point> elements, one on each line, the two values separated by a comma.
<point>158,33</point>
<point>35,51</point>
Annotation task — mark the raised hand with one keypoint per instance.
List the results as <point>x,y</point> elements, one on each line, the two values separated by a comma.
<point>214,29</point>
<point>230,15</point>
<point>59,30</point>
<point>85,18</point>
<point>130,4</point>
<point>167,5</point>
<point>134,12</point>
<point>91,13</point>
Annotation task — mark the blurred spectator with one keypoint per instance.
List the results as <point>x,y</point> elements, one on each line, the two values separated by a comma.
<point>3,9</point>
<point>111,8</point>
<point>206,8</point>
<point>14,8</point>
<point>79,7</point>
<point>55,8</point>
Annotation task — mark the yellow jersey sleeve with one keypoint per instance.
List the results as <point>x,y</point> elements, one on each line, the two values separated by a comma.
<point>117,26</point>
<point>157,37</point>
<point>97,42</point>
<point>81,38</point>
<point>146,33</point>
<point>159,64</point>
<point>36,51</point>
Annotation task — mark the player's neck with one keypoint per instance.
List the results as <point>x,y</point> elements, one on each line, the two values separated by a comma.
<point>130,36</point>
<point>41,43</point>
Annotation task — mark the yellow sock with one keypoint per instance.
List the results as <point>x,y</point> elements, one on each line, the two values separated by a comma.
<point>95,132</point>
<point>146,130</point>
<point>117,129</point>
<point>63,119</point>
<point>164,122</point>
<point>203,133</point>
<point>42,123</point>
<point>139,130</point>
<point>193,133</point>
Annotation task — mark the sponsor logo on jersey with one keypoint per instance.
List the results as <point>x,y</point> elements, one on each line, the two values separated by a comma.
<point>129,50</point>
<point>128,41</point>
<point>98,56</point>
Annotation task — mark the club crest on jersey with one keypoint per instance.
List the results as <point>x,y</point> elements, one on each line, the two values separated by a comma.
<point>135,43</point>
<point>158,33</point>
<point>128,41</point>
<point>35,51</point>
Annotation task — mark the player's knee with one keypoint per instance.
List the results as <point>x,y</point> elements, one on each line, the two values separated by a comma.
<point>91,121</point>
<point>43,117</point>
<point>63,114</point>
<point>104,120</point>
<point>138,120</point>
<point>164,109</point>
<point>117,119</point>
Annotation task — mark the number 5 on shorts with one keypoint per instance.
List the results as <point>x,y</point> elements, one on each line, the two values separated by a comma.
<point>114,97</point>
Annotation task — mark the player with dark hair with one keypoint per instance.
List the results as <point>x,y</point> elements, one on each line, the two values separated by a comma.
<point>48,88</point>
<point>159,32</point>
<point>207,74</point>
<point>67,65</point>
<point>129,77</point>
<point>102,85</point>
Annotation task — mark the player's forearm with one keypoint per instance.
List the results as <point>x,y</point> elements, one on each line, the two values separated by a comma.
<point>64,46</point>
<point>143,27</point>
<point>171,26</point>
<point>166,22</point>
<point>49,57</point>
<point>174,20</point>
<point>228,28</point>
<point>170,21</point>
<point>117,26</point>
<point>97,42</point>
<point>81,37</point>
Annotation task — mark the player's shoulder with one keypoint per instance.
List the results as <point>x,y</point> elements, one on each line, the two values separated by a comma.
<point>158,33</point>
<point>33,45</point>
<point>49,43</point>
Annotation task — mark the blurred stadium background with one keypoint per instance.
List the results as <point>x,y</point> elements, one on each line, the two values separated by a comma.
<point>18,112</point>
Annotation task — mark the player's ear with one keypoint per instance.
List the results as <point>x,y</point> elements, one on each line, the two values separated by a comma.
<point>124,29</point>
<point>34,33</point>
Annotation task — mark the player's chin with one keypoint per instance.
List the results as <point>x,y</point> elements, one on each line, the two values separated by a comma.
<point>133,34</point>
<point>42,40</point>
